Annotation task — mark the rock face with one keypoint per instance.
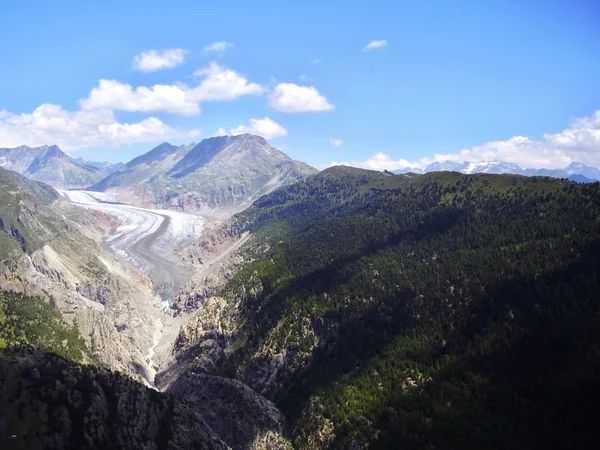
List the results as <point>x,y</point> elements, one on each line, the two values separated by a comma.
<point>241,417</point>
<point>50,165</point>
<point>65,406</point>
<point>222,174</point>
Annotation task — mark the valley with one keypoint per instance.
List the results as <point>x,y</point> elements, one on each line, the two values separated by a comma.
<point>146,238</point>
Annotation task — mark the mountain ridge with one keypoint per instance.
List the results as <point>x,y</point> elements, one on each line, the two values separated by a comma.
<point>218,174</point>
<point>355,309</point>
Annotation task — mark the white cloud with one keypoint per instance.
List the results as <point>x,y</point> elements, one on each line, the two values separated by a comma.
<point>518,149</point>
<point>579,142</point>
<point>110,94</point>
<point>304,77</point>
<point>50,124</point>
<point>95,124</point>
<point>379,161</point>
<point>583,134</point>
<point>152,60</point>
<point>292,98</point>
<point>220,83</point>
<point>375,44</point>
<point>336,142</point>
<point>266,128</point>
<point>218,47</point>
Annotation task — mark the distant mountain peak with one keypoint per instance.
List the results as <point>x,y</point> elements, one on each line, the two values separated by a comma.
<point>576,166</point>
<point>219,171</point>
<point>49,164</point>
<point>446,166</point>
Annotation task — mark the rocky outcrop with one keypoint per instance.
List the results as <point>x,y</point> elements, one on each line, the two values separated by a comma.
<point>240,416</point>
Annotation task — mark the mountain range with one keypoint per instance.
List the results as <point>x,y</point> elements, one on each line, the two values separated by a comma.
<point>225,173</point>
<point>219,176</point>
<point>575,171</point>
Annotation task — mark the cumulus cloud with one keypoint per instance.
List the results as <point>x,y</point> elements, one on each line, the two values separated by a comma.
<point>518,149</point>
<point>583,134</point>
<point>152,60</point>
<point>266,128</point>
<point>375,44</point>
<point>579,142</point>
<point>220,83</point>
<point>218,47</point>
<point>292,98</point>
<point>73,130</point>
<point>217,83</point>
<point>110,94</point>
<point>336,142</point>
<point>95,123</point>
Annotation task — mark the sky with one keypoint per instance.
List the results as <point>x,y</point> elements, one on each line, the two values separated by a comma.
<point>375,84</point>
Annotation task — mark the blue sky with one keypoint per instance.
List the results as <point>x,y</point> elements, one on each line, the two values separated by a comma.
<point>511,80</point>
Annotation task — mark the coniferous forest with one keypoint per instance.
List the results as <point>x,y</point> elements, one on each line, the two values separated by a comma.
<point>446,310</point>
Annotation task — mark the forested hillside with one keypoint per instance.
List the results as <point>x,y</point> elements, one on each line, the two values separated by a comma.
<point>434,311</point>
